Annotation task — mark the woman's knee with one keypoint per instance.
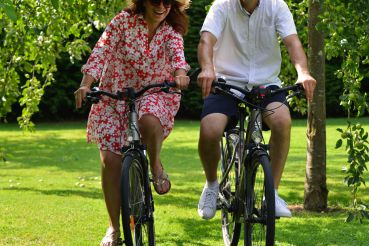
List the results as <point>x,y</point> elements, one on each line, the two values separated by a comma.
<point>150,124</point>
<point>110,159</point>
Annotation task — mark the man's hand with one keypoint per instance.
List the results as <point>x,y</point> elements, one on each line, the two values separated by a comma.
<point>204,80</point>
<point>309,84</point>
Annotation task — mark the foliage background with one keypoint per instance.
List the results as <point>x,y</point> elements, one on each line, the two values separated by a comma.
<point>44,45</point>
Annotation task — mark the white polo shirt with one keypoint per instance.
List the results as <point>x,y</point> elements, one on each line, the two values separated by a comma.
<point>247,48</point>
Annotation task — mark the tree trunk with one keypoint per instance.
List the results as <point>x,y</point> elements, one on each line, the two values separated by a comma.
<point>316,192</point>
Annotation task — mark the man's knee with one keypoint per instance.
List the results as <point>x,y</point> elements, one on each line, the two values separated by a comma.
<point>281,123</point>
<point>280,119</point>
<point>212,127</point>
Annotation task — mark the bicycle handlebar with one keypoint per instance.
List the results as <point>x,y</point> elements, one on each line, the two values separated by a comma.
<point>128,93</point>
<point>257,92</point>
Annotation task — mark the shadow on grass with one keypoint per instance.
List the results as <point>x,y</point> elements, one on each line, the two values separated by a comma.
<point>318,228</point>
<point>193,232</point>
<point>92,193</point>
<point>63,153</point>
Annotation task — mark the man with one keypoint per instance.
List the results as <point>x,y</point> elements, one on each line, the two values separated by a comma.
<point>239,41</point>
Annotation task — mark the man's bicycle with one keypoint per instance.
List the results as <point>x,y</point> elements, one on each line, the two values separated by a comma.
<point>246,188</point>
<point>137,204</point>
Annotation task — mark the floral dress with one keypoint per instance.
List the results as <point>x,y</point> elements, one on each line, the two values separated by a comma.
<point>124,57</point>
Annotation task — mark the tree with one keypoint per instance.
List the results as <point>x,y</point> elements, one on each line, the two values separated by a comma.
<point>347,24</point>
<point>34,33</point>
<point>316,192</point>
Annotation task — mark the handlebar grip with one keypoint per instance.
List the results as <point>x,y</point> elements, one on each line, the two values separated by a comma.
<point>171,84</point>
<point>193,75</point>
<point>94,95</point>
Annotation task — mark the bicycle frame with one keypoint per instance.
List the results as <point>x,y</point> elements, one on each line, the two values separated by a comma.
<point>134,144</point>
<point>134,156</point>
<point>247,194</point>
<point>252,141</point>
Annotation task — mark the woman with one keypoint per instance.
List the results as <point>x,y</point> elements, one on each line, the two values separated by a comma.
<point>142,45</point>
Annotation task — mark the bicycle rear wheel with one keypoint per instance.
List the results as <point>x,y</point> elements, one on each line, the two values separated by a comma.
<point>136,201</point>
<point>260,202</point>
<point>231,226</point>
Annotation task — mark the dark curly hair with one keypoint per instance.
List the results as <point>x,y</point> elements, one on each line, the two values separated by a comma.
<point>177,16</point>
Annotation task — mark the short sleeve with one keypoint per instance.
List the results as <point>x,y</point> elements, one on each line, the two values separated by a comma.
<point>284,22</point>
<point>215,19</point>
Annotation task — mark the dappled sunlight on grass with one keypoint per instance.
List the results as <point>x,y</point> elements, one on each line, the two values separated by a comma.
<point>52,179</point>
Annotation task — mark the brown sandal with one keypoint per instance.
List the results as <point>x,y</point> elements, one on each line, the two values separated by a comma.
<point>161,181</point>
<point>111,238</point>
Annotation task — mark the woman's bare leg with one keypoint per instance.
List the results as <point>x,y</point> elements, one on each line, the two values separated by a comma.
<point>110,177</point>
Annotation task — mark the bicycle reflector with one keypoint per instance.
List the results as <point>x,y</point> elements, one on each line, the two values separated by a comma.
<point>262,91</point>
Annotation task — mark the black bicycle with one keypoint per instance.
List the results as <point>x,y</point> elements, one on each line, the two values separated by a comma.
<point>137,204</point>
<point>246,188</point>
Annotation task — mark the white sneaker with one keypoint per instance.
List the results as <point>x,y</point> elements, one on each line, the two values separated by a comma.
<point>208,202</point>
<point>281,209</point>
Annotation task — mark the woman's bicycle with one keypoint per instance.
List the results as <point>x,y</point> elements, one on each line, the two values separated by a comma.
<point>246,188</point>
<point>137,204</point>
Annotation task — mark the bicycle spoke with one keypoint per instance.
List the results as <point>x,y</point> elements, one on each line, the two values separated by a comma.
<point>137,227</point>
<point>260,221</point>
<point>231,227</point>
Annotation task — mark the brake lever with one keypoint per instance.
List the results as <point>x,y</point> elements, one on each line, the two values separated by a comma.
<point>176,92</point>
<point>93,99</point>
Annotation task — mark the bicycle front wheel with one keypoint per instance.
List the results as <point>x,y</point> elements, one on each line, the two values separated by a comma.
<point>137,217</point>
<point>231,225</point>
<point>260,202</point>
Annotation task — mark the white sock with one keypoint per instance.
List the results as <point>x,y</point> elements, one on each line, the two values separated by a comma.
<point>212,185</point>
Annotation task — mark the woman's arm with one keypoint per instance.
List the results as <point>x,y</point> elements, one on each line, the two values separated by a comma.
<point>80,93</point>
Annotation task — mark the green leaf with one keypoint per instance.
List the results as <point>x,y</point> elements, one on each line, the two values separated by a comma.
<point>338,143</point>
<point>55,4</point>
<point>366,214</point>
<point>350,217</point>
<point>9,10</point>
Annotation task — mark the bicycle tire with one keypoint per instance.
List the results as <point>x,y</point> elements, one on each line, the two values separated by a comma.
<point>231,226</point>
<point>136,197</point>
<point>259,227</point>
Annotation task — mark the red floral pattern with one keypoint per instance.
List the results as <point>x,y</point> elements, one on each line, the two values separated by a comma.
<point>124,57</point>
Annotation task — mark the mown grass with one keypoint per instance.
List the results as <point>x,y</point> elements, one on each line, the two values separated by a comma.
<point>50,191</point>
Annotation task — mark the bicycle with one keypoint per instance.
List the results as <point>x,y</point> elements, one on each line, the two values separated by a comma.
<point>246,187</point>
<point>137,203</point>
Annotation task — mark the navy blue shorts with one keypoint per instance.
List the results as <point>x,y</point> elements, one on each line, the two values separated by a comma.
<point>220,103</point>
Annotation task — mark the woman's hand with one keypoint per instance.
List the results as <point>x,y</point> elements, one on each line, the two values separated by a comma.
<point>80,95</point>
<point>182,81</point>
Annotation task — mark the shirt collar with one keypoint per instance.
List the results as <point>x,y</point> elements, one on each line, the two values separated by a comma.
<point>244,10</point>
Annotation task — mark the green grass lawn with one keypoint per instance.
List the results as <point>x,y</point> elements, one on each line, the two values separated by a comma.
<point>50,191</point>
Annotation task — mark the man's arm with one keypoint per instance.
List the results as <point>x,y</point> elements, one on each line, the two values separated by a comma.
<point>299,60</point>
<point>205,58</point>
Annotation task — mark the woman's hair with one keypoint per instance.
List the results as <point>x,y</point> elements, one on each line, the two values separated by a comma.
<point>177,16</point>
